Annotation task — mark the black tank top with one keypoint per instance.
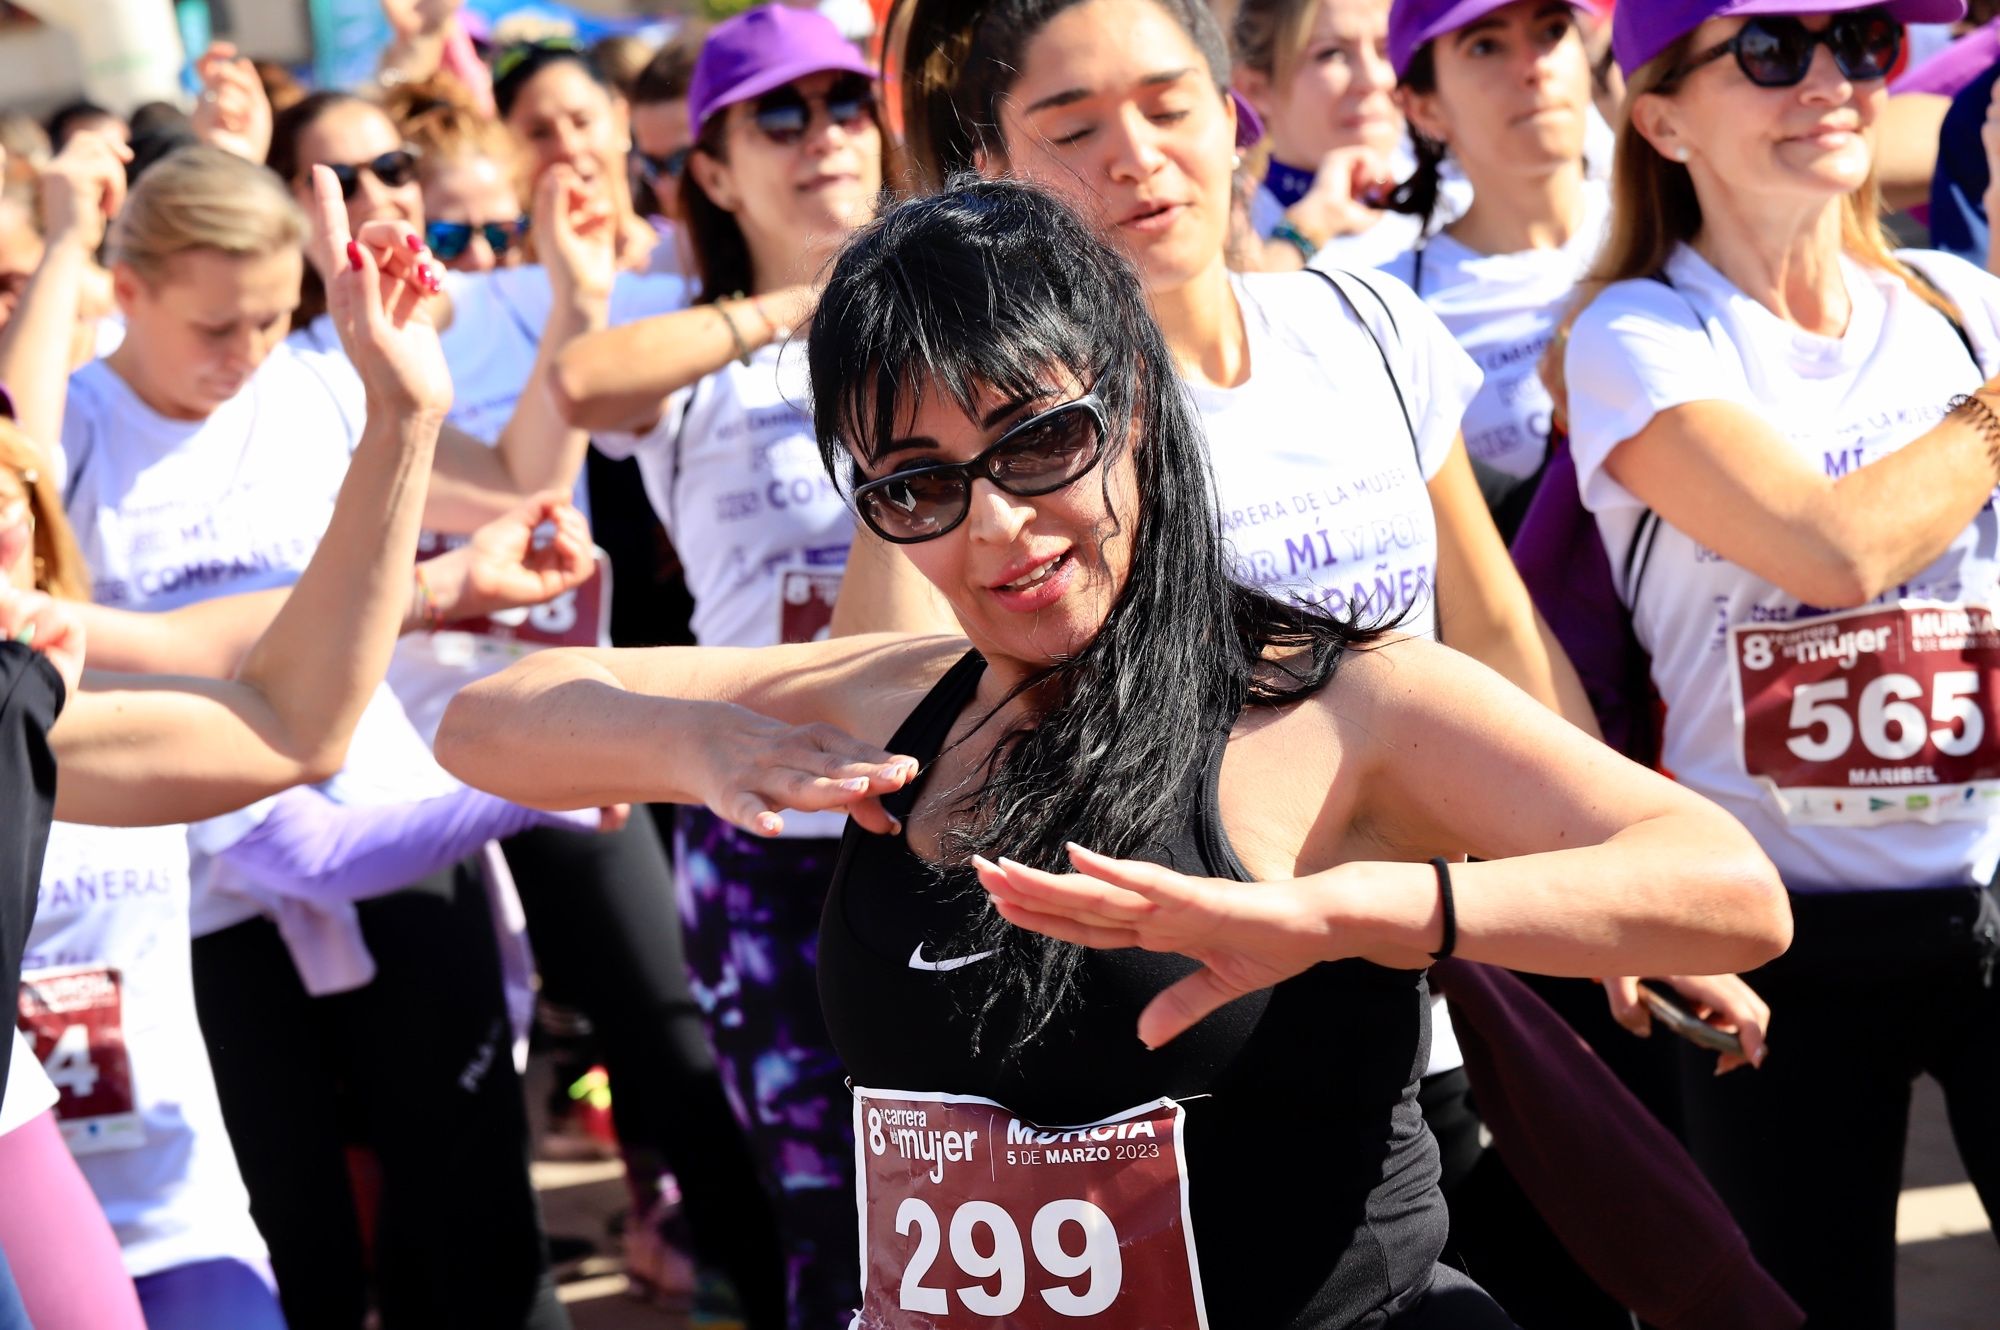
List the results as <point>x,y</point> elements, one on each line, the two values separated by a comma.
<point>1312,1180</point>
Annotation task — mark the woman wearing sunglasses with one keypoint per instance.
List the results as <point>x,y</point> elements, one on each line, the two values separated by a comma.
<point>1502,89</point>
<point>1788,436</point>
<point>469,170</point>
<point>990,385</point>
<point>786,162</point>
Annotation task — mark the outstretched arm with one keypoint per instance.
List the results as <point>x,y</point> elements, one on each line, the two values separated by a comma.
<point>1594,865</point>
<point>152,750</point>
<point>746,732</point>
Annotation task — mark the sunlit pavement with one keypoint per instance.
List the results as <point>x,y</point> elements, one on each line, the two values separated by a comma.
<point>1948,1271</point>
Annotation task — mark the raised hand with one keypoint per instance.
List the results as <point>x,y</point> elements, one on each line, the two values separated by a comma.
<point>419,18</point>
<point>749,767</point>
<point>83,188</point>
<point>576,235</point>
<point>233,112</point>
<point>1345,194</point>
<point>47,625</point>
<point>378,289</point>
<point>1246,936</point>
<point>506,566</point>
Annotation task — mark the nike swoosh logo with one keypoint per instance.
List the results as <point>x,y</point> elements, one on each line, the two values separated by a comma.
<point>917,961</point>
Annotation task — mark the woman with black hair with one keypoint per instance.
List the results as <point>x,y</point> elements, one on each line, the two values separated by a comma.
<point>990,386</point>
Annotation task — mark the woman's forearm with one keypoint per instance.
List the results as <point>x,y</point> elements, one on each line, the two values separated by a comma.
<point>558,730</point>
<point>540,449</point>
<point>1677,894</point>
<point>35,348</point>
<point>617,379</point>
<point>329,646</point>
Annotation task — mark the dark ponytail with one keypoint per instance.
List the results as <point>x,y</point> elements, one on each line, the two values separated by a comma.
<point>1418,196</point>
<point>994,286</point>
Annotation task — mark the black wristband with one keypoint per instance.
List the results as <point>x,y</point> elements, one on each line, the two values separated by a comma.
<point>1449,942</point>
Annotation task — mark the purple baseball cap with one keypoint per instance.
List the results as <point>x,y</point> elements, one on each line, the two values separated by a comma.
<point>1249,125</point>
<point>1641,29</point>
<point>765,48</point>
<point>1412,23</point>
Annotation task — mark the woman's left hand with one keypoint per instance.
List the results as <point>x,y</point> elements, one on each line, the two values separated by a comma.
<point>506,565</point>
<point>379,282</point>
<point>1246,936</point>
<point>233,113</point>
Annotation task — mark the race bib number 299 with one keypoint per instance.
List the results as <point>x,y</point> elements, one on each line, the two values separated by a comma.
<point>974,1217</point>
<point>1882,714</point>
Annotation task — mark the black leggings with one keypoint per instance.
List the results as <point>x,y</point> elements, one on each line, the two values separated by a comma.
<point>1877,988</point>
<point>422,1056</point>
<point>607,936</point>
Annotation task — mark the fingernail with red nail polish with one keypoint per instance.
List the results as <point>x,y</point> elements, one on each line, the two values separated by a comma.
<point>416,244</point>
<point>353,254</point>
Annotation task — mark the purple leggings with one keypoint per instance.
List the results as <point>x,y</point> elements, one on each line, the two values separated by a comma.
<point>64,1256</point>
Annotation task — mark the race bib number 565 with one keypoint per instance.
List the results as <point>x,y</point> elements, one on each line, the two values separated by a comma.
<point>1883,714</point>
<point>973,1217</point>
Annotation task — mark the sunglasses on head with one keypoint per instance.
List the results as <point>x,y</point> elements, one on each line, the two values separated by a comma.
<point>657,169</point>
<point>1036,456</point>
<point>785,114</point>
<point>513,57</point>
<point>395,168</point>
<point>448,240</point>
<point>1778,52</point>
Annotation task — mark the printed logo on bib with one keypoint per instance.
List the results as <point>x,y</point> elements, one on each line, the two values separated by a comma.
<point>75,1019</point>
<point>805,608</point>
<point>974,1217</point>
<point>1875,715</point>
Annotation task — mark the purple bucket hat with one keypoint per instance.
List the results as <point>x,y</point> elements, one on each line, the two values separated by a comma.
<point>1641,29</point>
<point>1415,22</point>
<point>765,48</point>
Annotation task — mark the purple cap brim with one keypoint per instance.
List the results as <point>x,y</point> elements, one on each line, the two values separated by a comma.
<point>777,76</point>
<point>1249,125</point>
<point>1413,23</point>
<point>1641,29</point>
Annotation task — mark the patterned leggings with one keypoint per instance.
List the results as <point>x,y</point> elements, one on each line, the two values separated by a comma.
<point>751,908</point>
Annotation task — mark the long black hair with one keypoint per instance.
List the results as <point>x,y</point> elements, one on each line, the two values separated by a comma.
<point>961,58</point>
<point>995,286</point>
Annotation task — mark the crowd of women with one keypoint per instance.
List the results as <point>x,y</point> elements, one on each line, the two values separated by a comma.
<point>1203,611</point>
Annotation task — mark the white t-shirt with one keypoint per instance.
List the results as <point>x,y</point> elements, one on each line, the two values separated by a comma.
<point>1715,629</point>
<point>1321,486</point>
<point>1503,309</point>
<point>139,1108</point>
<point>734,474</point>
<point>170,512</point>
<point>496,328</point>
<point>30,1092</point>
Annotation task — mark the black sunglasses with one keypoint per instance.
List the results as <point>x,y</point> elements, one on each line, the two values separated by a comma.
<point>1778,52</point>
<point>784,115</point>
<point>448,240</point>
<point>395,168</point>
<point>657,169</point>
<point>1036,456</point>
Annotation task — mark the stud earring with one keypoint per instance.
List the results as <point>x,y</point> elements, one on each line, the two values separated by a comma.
<point>1681,154</point>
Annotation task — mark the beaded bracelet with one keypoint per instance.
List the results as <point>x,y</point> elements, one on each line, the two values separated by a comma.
<point>1296,238</point>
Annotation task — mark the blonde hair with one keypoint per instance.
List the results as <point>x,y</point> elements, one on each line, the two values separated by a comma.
<point>1654,210</point>
<point>1270,36</point>
<point>59,566</point>
<point>204,198</point>
<point>445,133</point>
